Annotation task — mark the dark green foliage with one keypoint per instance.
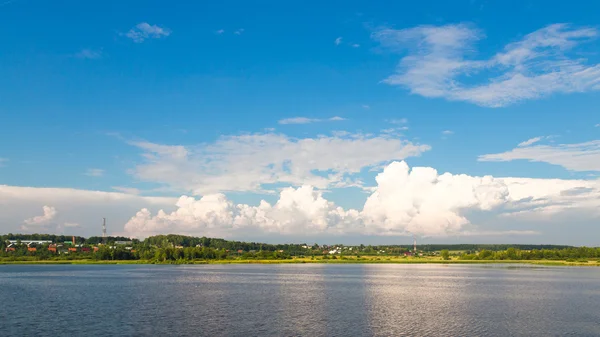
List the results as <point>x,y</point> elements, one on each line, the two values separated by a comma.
<point>570,254</point>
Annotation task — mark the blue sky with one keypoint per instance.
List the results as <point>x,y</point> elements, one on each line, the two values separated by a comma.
<point>157,101</point>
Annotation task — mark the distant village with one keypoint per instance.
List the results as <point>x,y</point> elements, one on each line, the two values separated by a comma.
<point>64,247</point>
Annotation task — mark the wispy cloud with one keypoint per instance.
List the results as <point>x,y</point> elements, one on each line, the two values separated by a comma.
<point>305,120</point>
<point>220,31</point>
<point>397,121</point>
<point>355,45</point>
<point>126,190</point>
<point>248,162</point>
<point>540,64</point>
<point>144,30</point>
<point>447,132</point>
<point>338,41</point>
<point>365,106</point>
<point>3,161</point>
<point>597,125</point>
<point>574,157</point>
<point>94,172</point>
<point>89,54</point>
<point>530,141</point>
<point>239,31</point>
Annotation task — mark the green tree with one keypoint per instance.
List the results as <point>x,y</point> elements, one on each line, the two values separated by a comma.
<point>445,254</point>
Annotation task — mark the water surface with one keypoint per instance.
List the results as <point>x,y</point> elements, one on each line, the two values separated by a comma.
<point>299,300</point>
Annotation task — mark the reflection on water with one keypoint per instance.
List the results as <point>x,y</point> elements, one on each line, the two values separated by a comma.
<point>299,300</point>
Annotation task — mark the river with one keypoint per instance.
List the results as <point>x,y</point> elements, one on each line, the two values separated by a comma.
<point>299,300</point>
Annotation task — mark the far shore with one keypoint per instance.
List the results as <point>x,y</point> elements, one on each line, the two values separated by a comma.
<point>349,260</point>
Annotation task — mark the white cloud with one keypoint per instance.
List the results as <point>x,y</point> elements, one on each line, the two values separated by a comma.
<point>365,106</point>
<point>3,161</point>
<point>89,54</point>
<point>597,125</point>
<point>355,45</point>
<point>398,121</point>
<point>126,190</point>
<point>239,31</point>
<point>86,208</point>
<point>418,201</point>
<point>447,132</point>
<point>298,120</point>
<point>144,30</point>
<point>538,65</point>
<point>305,120</point>
<point>530,141</point>
<point>94,172</point>
<point>49,214</point>
<point>338,41</point>
<point>248,162</point>
<point>574,157</point>
<point>220,31</point>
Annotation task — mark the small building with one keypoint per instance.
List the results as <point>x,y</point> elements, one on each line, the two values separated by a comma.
<point>95,249</point>
<point>123,242</point>
<point>72,249</point>
<point>407,254</point>
<point>52,249</point>
<point>85,249</point>
<point>240,251</point>
<point>31,249</point>
<point>10,249</point>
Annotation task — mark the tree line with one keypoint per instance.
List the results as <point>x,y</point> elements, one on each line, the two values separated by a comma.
<point>512,253</point>
<point>172,247</point>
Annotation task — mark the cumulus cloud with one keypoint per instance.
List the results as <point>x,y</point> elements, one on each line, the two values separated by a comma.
<point>49,214</point>
<point>540,64</point>
<point>574,157</point>
<point>447,132</point>
<point>144,30</point>
<point>239,31</point>
<point>338,41</point>
<point>418,201</point>
<point>220,31</point>
<point>298,211</point>
<point>422,202</point>
<point>305,120</point>
<point>251,161</point>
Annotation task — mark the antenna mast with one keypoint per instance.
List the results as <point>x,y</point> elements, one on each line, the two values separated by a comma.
<point>415,244</point>
<point>104,230</point>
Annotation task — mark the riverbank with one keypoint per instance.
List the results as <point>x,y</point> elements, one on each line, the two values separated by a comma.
<point>345,260</point>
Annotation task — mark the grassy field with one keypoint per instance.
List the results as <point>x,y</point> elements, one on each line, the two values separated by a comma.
<point>344,260</point>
